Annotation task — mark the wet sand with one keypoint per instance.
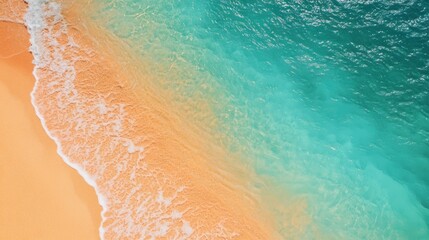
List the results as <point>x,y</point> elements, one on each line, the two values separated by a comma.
<point>179,185</point>
<point>157,174</point>
<point>40,196</point>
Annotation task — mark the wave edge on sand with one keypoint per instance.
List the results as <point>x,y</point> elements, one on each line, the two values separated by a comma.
<point>95,134</point>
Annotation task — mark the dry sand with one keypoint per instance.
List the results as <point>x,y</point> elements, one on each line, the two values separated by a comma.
<point>103,123</point>
<point>43,198</point>
<point>40,196</point>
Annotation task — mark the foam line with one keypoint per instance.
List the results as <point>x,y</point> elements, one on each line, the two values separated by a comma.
<point>35,22</point>
<point>146,190</point>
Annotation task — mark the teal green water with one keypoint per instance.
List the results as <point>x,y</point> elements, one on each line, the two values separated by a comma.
<point>329,99</point>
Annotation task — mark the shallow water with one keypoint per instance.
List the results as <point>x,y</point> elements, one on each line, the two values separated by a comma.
<point>328,101</point>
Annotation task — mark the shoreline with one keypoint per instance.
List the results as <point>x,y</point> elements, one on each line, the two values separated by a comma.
<point>128,144</point>
<point>41,196</point>
<point>132,147</point>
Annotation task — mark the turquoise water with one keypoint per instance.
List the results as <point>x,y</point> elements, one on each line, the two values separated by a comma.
<point>328,99</point>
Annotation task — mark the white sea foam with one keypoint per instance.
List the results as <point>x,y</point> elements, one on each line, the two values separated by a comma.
<point>35,20</point>
<point>52,66</point>
<point>90,133</point>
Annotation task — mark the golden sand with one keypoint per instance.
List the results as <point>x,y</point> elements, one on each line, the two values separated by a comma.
<point>40,196</point>
<point>212,201</point>
<point>12,11</point>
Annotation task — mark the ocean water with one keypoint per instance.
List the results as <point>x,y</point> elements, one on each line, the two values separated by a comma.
<point>328,101</point>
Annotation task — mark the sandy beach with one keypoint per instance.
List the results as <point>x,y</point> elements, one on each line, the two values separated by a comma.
<point>207,120</point>
<point>157,175</point>
<point>40,196</point>
<point>144,160</point>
